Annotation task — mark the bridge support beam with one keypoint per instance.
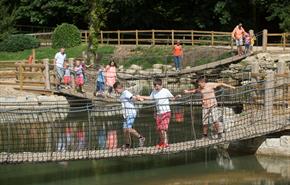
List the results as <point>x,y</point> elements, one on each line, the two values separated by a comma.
<point>269,95</point>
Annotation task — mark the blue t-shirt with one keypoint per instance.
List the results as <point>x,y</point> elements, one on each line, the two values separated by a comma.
<point>101,76</point>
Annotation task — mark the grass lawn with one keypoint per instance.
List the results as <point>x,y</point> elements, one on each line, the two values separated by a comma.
<point>48,52</point>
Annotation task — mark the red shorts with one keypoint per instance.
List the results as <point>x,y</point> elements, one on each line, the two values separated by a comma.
<point>66,79</point>
<point>79,80</point>
<point>162,121</point>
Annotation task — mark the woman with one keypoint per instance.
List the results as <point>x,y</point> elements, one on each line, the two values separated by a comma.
<point>111,75</point>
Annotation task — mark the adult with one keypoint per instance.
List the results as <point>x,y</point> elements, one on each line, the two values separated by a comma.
<point>177,55</point>
<point>237,35</point>
<point>59,59</point>
<point>111,75</point>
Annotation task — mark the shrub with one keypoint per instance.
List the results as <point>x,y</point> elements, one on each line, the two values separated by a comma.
<point>19,43</point>
<point>66,36</point>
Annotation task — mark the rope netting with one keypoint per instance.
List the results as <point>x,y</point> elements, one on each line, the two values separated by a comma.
<point>72,130</point>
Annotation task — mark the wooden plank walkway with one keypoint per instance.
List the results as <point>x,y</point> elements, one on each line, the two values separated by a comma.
<point>249,128</point>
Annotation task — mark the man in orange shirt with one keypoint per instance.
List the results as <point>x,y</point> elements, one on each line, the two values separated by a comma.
<point>177,55</point>
<point>237,35</point>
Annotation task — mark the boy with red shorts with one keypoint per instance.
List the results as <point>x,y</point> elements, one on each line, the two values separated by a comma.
<point>161,96</point>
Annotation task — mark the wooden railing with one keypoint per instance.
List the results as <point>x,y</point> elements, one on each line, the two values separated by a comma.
<point>169,37</point>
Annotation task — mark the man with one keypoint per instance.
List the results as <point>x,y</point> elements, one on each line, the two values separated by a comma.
<point>59,59</point>
<point>237,35</point>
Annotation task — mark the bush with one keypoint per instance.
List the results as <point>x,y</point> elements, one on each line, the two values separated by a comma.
<point>19,43</point>
<point>66,36</point>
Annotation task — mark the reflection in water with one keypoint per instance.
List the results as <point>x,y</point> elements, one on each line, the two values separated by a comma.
<point>223,158</point>
<point>162,170</point>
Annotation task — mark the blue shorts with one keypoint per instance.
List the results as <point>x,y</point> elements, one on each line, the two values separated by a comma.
<point>129,121</point>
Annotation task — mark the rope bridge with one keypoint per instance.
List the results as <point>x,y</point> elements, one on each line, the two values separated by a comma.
<point>55,131</point>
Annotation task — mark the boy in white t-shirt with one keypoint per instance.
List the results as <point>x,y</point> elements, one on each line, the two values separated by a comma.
<point>129,113</point>
<point>161,96</point>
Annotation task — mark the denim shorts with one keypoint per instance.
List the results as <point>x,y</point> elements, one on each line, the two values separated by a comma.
<point>129,121</point>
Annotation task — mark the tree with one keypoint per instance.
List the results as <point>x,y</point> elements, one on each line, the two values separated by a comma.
<point>7,22</point>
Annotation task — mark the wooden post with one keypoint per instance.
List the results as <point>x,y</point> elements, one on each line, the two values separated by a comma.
<point>172,37</point>
<point>71,64</point>
<point>284,41</point>
<point>33,56</point>
<point>265,39</point>
<point>86,37</point>
<point>46,74</point>
<point>280,80</point>
<point>269,95</point>
<point>212,38</point>
<point>137,39</point>
<point>102,37</point>
<point>153,37</point>
<point>192,38</point>
<point>119,41</point>
<point>21,78</point>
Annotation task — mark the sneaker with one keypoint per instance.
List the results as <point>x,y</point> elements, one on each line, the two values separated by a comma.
<point>220,135</point>
<point>125,147</point>
<point>165,146</point>
<point>141,141</point>
<point>159,145</point>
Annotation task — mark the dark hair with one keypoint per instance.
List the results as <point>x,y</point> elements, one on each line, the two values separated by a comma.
<point>112,60</point>
<point>117,84</point>
<point>201,79</point>
<point>157,81</point>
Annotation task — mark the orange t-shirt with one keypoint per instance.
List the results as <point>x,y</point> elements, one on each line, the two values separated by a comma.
<point>208,95</point>
<point>238,33</point>
<point>177,50</point>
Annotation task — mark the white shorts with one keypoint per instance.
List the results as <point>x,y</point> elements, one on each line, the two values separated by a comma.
<point>239,42</point>
<point>210,115</point>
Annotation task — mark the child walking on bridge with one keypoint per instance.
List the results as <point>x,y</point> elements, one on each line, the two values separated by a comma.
<point>129,114</point>
<point>209,104</point>
<point>161,96</point>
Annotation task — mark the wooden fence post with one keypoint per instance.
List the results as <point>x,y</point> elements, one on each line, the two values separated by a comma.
<point>153,37</point>
<point>137,39</point>
<point>46,74</point>
<point>119,37</point>
<point>172,37</point>
<point>269,95</point>
<point>265,39</point>
<point>102,37</point>
<point>86,37</point>
<point>33,56</point>
<point>212,38</point>
<point>284,41</point>
<point>192,38</point>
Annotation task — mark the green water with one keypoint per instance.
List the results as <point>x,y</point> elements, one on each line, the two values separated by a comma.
<point>204,167</point>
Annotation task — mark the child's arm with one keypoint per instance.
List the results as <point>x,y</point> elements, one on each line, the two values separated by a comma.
<point>190,91</point>
<point>226,85</point>
<point>141,98</point>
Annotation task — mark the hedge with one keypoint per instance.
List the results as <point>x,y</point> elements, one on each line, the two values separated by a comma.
<point>19,43</point>
<point>66,36</point>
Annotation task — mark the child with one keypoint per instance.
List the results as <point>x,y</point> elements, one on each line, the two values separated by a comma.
<point>111,75</point>
<point>100,82</point>
<point>79,80</point>
<point>253,38</point>
<point>247,42</point>
<point>161,96</point>
<point>209,104</point>
<point>129,114</point>
<point>67,77</point>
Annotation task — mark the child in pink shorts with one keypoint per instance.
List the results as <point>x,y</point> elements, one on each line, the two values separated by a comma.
<point>79,79</point>
<point>67,77</point>
<point>161,96</point>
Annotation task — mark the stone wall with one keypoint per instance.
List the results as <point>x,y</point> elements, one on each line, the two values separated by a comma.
<point>275,146</point>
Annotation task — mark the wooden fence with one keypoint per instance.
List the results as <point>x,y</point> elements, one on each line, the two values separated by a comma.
<point>169,37</point>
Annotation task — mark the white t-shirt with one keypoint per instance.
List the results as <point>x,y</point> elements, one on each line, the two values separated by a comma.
<point>162,100</point>
<point>127,104</point>
<point>60,59</point>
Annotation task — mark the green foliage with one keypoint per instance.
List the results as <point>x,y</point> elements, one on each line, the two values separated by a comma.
<point>7,22</point>
<point>19,43</point>
<point>66,36</point>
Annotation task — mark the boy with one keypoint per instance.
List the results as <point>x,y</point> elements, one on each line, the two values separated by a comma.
<point>209,104</point>
<point>161,96</point>
<point>129,114</point>
<point>100,82</point>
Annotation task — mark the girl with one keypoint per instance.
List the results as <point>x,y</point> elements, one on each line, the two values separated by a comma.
<point>79,76</point>
<point>110,73</point>
<point>67,78</point>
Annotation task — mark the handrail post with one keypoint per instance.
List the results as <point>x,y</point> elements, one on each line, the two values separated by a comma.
<point>172,37</point>
<point>119,41</point>
<point>212,38</point>
<point>153,37</point>
<point>137,39</point>
<point>46,74</point>
<point>265,39</point>
<point>21,69</point>
<point>102,37</point>
<point>71,61</point>
<point>269,95</point>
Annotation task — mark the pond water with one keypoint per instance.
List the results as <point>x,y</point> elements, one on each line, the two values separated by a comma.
<point>203,167</point>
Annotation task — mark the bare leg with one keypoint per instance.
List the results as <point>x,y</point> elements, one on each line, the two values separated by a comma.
<point>127,136</point>
<point>205,129</point>
<point>134,132</point>
<point>218,127</point>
